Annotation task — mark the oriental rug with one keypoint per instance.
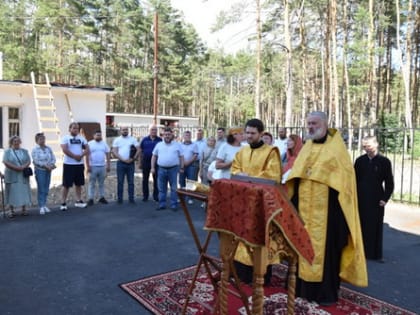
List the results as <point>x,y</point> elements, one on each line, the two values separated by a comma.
<point>165,294</point>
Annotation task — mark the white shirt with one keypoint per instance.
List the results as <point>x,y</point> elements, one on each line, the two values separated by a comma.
<point>168,154</point>
<point>123,144</point>
<point>98,151</point>
<point>188,150</point>
<point>282,145</point>
<point>227,153</point>
<point>75,144</point>
<point>201,145</point>
<point>215,173</point>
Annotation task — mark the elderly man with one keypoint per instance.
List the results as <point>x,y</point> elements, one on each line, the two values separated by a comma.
<point>322,186</point>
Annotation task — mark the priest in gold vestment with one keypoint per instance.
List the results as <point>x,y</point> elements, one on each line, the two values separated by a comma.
<point>322,187</point>
<point>257,160</point>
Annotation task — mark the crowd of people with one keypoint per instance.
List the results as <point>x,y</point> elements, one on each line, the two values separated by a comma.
<point>341,204</point>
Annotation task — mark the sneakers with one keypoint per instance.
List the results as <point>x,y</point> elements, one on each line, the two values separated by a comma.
<point>41,211</point>
<point>47,210</point>
<point>190,202</point>
<point>90,202</point>
<point>80,204</point>
<point>63,207</point>
<point>103,200</point>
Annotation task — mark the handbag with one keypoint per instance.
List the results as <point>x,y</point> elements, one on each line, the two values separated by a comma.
<point>27,171</point>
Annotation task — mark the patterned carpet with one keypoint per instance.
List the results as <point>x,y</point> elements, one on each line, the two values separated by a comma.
<point>165,294</point>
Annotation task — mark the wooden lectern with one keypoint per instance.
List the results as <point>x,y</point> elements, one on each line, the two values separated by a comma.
<point>260,216</point>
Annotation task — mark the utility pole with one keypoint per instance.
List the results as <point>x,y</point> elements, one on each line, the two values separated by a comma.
<point>155,70</point>
<point>258,69</point>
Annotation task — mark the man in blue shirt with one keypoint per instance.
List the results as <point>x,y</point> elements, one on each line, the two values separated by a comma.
<point>147,145</point>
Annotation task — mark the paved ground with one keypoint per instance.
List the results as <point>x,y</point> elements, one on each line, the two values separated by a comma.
<point>72,262</point>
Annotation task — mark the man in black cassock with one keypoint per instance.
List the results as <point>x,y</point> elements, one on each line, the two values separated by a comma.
<point>375,184</point>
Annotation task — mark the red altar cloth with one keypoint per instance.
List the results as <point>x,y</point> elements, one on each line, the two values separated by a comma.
<point>247,211</point>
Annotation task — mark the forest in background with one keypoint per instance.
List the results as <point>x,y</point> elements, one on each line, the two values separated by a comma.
<point>357,60</point>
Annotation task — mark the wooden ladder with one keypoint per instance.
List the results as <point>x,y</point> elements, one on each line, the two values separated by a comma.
<point>47,116</point>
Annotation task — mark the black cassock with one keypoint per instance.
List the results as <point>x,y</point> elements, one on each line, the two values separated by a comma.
<point>374,182</point>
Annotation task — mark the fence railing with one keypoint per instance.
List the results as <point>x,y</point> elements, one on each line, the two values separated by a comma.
<point>400,145</point>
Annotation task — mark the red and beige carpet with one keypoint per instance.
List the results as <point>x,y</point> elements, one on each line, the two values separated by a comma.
<point>165,294</point>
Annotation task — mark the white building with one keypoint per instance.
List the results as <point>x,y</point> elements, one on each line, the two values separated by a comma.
<point>19,114</point>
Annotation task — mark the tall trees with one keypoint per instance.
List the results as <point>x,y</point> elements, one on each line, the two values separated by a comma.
<point>359,60</point>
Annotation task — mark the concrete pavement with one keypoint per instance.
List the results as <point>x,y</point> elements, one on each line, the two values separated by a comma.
<point>72,262</point>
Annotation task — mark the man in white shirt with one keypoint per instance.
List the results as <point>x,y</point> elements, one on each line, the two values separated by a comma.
<point>99,165</point>
<point>75,149</point>
<point>167,161</point>
<point>201,143</point>
<point>281,142</point>
<point>126,149</point>
<point>190,153</point>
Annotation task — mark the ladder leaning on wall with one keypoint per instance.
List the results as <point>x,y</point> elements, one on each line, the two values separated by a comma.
<point>47,116</point>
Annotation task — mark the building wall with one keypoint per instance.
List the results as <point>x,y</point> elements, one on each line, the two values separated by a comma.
<point>87,105</point>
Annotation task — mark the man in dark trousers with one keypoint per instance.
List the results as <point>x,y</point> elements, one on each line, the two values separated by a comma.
<point>147,145</point>
<point>375,184</point>
<point>322,186</point>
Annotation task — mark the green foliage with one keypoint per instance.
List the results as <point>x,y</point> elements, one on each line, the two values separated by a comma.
<point>390,136</point>
<point>416,144</point>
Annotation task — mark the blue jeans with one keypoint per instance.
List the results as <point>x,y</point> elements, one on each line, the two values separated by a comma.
<point>125,170</point>
<point>43,180</point>
<point>166,175</point>
<point>189,172</point>
<point>97,174</point>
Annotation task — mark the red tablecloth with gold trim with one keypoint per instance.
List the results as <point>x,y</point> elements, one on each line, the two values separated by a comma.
<point>247,210</point>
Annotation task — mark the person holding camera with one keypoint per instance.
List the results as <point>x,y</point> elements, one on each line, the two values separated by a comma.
<point>126,149</point>
<point>43,159</point>
<point>18,190</point>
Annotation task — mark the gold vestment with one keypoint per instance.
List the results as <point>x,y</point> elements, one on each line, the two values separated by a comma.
<point>262,162</point>
<point>318,167</point>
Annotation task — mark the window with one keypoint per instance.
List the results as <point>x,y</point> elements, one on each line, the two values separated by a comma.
<point>14,121</point>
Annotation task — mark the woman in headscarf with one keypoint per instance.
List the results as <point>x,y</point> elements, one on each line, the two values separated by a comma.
<point>294,145</point>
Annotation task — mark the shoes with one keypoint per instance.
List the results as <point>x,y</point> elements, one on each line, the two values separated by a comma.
<point>190,202</point>
<point>160,208</point>
<point>145,200</point>
<point>132,202</point>
<point>11,215</point>
<point>90,202</point>
<point>103,200</point>
<point>174,208</point>
<point>80,204</point>
<point>42,211</point>
<point>24,213</point>
<point>47,210</point>
<point>63,207</point>
<point>119,201</point>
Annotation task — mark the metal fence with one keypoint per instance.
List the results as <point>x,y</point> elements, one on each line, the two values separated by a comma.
<point>400,145</point>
